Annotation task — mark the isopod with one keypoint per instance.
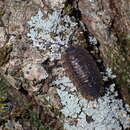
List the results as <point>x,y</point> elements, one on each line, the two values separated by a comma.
<point>83,72</point>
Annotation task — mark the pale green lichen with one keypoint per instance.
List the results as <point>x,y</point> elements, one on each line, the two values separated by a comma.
<point>51,31</point>
<point>107,112</point>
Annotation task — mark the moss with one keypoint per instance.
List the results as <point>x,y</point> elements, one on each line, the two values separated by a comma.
<point>34,118</point>
<point>3,89</point>
<point>3,95</point>
<point>123,37</point>
<point>124,40</point>
<point>1,13</point>
<point>5,54</point>
<point>19,37</point>
<point>36,122</point>
<point>53,35</point>
<point>55,110</point>
<point>117,57</point>
<point>68,9</point>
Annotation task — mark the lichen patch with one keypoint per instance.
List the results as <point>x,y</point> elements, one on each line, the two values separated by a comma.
<point>49,32</point>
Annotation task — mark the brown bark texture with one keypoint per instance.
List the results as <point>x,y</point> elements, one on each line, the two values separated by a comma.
<point>27,97</point>
<point>109,22</point>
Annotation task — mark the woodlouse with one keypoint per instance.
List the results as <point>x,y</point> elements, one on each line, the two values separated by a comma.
<point>83,71</point>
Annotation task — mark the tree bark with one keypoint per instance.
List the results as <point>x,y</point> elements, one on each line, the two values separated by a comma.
<point>109,22</point>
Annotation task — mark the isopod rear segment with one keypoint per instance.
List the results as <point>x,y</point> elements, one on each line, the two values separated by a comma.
<point>83,71</point>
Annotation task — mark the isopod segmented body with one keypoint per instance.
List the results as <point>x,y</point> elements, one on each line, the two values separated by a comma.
<point>83,71</point>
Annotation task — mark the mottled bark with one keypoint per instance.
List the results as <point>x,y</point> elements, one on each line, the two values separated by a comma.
<point>109,22</point>
<point>16,102</point>
<point>37,104</point>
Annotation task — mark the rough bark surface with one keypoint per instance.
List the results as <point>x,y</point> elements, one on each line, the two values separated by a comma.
<point>28,97</point>
<point>109,22</point>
